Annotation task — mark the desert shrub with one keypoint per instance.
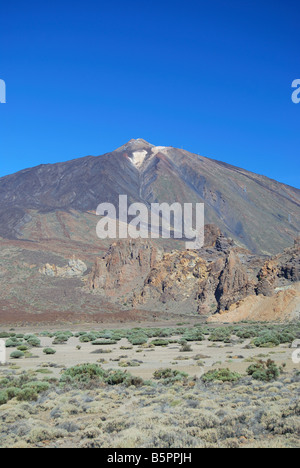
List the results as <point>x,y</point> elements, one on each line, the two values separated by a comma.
<point>159,342</point>
<point>80,333</point>
<point>247,332</point>
<point>224,375</point>
<point>3,397</point>
<point>49,351</point>
<point>12,392</point>
<point>274,336</point>
<point>137,339</point>
<point>17,355</point>
<point>117,336</point>
<point>170,376</point>
<point>160,332</point>
<point>60,338</point>
<point>264,371</point>
<point>46,334</point>
<point>21,387</point>
<point>221,334</point>
<point>4,335</point>
<point>128,364</point>
<point>13,343</point>
<point>87,374</point>
<point>89,337</point>
<point>84,339</point>
<point>268,339</point>
<point>119,377</point>
<point>185,347</point>
<point>33,341</point>
<point>4,382</point>
<point>102,351</point>
<point>83,373</point>
<point>27,394</point>
<point>63,333</point>
<point>22,348</point>
<point>194,334</point>
<point>29,336</point>
<point>38,386</point>
<point>286,336</point>
<point>103,342</point>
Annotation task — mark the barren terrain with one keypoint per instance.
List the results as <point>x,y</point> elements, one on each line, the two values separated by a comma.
<point>171,386</point>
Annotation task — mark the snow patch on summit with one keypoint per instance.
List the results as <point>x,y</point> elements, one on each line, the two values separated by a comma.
<point>138,157</point>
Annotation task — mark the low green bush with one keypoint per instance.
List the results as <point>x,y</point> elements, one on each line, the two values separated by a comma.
<point>87,375</point>
<point>38,385</point>
<point>22,387</point>
<point>17,355</point>
<point>12,392</point>
<point>169,376</point>
<point>33,341</point>
<point>3,397</point>
<point>265,371</point>
<point>221,334</point>
<point>60,338</point>
<point>103,342</point>
<point>82,373</point>
<point>185,347</point>
<point>49,351</point>
<point>223,375</point>
<point>4,335</point>
<point>13,343</point>
<point>159,342</point>
<point>22,348</point>
<point>119,377</point>
<point>137,340</point>
<point>194,334</point>
<point>27,394</point>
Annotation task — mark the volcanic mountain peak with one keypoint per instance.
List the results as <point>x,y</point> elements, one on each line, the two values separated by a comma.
<point>255,211</point>
<point>139,151</point>
<point>135,145</point>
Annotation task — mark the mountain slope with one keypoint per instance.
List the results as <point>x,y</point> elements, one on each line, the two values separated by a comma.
<point>58,201</point>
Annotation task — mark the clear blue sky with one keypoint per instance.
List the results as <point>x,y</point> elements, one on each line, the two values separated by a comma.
<point>213,77</point>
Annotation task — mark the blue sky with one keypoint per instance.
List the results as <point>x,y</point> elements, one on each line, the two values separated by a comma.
<point>212,77</point>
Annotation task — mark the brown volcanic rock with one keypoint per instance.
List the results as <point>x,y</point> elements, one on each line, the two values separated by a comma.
<point>192,281</point>
<point>234,282</point>
<point>283,306</point>
<point>211,235</point>
<point>174,279</point>
<point>125,265</point>
<point>215,278</point>
<point>277,292</point>
<point>279,270</point>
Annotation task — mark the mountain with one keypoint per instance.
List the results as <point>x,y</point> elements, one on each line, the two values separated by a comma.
<point>58,201</point>
<point>54,267</point>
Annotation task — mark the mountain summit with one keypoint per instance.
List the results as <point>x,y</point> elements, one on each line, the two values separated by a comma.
<point>57,200</point>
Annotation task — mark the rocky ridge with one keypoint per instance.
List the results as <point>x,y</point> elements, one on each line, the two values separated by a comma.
<point>213,280</point>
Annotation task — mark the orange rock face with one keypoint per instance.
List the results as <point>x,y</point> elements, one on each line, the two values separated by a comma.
<point>216,279</point>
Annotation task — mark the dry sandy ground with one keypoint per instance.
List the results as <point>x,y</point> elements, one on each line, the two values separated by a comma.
<point>247,413</point>
<point>208,355</point>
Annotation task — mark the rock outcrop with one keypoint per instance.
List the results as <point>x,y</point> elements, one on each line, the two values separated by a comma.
<point>215,279</point>
<point>283,306</point>
<point>234,282</point>
<point>280,270</point>
<point>123,268</point>
<point>75,268</point>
